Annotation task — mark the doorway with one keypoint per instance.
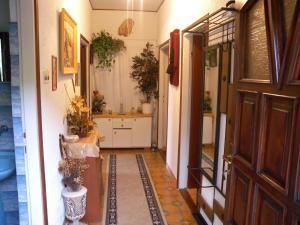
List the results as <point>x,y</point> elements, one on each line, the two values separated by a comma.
<point>163,98</point>
<point>84,69</point>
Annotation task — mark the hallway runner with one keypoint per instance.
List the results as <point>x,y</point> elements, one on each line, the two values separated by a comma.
<point>131,197</point>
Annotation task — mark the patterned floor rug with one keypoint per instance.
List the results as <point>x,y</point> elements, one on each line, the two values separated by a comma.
<point>130,194</point>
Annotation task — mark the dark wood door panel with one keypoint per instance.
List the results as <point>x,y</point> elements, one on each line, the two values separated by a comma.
<point>275,150</point>
<point>241,202</point>
<point>266,150</point>
<point>266,211</point>
<point>246,129</point>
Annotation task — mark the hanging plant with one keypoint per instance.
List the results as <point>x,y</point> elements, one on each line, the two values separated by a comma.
<point>105,47</point>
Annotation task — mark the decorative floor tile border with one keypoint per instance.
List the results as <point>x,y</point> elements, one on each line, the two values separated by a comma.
<point>154,209</point>
<point>111,210</point>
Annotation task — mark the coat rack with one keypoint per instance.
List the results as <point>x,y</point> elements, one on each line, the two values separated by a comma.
<point>218,27</point>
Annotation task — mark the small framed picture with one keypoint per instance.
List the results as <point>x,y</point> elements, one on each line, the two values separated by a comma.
<point>68,43</point>
<point>54,72</point>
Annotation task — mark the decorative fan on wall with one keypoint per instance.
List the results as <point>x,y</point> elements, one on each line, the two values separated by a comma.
<point>126,27</point>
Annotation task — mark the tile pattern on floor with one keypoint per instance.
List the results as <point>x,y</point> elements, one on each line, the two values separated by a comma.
<point>174,207</point>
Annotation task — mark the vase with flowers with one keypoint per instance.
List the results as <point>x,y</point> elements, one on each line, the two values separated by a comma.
<point>98,103</point>
<point>78,117</point>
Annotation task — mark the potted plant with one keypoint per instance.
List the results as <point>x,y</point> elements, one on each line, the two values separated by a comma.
<point>98,103</point>
<point>78,118</point>
<point>105,47</point>
<point>145,71</point>
<point>74,194</point>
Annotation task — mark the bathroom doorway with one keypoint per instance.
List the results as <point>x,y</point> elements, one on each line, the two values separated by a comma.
<point>163,97</point>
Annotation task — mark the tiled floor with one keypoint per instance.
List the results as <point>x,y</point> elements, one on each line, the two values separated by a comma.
<point>174,207</point>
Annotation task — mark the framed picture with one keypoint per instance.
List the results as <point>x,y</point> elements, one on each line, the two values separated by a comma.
<point>68,43</point>
<point>54,72</point>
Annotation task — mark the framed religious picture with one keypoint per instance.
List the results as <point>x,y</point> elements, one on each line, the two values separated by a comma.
<point>54,72</point>
<point>68,43</point>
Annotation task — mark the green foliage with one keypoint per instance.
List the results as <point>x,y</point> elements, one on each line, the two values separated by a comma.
<point>105,47</point>
<point>145,71</point>
<point>98,103</point>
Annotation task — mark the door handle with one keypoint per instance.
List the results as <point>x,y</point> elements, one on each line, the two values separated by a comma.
<point>228,160</point>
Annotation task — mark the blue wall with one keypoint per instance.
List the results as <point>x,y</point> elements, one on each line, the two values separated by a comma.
<point>17,124</point>
<point>8,187</point>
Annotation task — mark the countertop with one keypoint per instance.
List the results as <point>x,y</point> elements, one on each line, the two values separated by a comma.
<point>117,115</point>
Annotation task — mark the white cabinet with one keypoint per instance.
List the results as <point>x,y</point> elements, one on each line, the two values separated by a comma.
<point>122,138</point>
<point>125,132</point>
<point>104,126</point>
<point>141,132</point>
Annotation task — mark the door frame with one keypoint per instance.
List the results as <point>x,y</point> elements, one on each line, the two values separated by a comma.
<point>162,48</point>
<point>84,42</point>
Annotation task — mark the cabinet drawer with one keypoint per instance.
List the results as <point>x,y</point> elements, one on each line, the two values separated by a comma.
<point>122,123</point>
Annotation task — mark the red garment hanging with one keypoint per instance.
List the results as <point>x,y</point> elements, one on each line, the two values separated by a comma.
<point>174,51</point>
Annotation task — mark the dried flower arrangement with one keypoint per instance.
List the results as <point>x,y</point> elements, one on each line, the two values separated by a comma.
<point>78,117</point>
<point>98,103</point>
<point>72,170</point>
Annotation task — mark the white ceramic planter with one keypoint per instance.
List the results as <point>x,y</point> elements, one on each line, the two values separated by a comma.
<point>147,108</point>
<point>75,204</point>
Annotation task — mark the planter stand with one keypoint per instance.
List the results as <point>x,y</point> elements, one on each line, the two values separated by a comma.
<point>75,204</point>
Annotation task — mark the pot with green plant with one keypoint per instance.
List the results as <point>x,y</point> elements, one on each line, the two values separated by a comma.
<point>145,71</point>
<point>98,103</point>
<point>105,48</point>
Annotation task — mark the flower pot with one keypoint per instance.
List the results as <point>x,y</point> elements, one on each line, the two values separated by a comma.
<point>75,204</point>
<point>147,108</point>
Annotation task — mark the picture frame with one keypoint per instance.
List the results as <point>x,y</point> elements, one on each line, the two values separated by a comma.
<point>68,43</point>
<point>54,72</point>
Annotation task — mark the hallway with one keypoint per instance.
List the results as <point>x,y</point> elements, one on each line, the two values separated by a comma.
<point>174,207</point>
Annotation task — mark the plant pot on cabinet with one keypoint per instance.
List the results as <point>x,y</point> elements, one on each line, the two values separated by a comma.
<point>147,108</point>
<point>75,204</point>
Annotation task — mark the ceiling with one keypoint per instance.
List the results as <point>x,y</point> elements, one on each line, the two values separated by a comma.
<point>136,5</point>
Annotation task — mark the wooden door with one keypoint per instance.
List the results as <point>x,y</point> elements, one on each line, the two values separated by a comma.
<point>264,187</point>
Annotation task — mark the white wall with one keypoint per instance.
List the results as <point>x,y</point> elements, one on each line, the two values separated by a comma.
<point>28,89</point>
<point>117,86</point>
<point>179,14</point>
<point>54,103</point>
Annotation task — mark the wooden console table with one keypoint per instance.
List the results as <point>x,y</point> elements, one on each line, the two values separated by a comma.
<point>92,176</point>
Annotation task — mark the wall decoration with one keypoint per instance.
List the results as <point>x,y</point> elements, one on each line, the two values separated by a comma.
<point>105,47</point>
<point>173,67</point>
<point>54,72</point>
<point>68,43</point>
<point>126,27</point>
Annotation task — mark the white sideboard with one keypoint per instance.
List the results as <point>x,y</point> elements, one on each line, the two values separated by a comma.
<point>124,131</point>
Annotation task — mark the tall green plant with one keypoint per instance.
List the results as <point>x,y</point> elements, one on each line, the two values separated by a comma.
<point>145,71</point>
<point>105,47</point>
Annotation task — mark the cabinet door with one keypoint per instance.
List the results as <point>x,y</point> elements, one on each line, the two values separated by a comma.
<point>105,128</point>
<point>122,138</point>
<point>141,132</point>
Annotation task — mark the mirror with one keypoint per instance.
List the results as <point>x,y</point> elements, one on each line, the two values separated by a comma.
<point>210,112</point>
<point>4,57</point>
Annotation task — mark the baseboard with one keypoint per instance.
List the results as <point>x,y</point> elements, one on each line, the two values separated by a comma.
<point>199,218</point>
